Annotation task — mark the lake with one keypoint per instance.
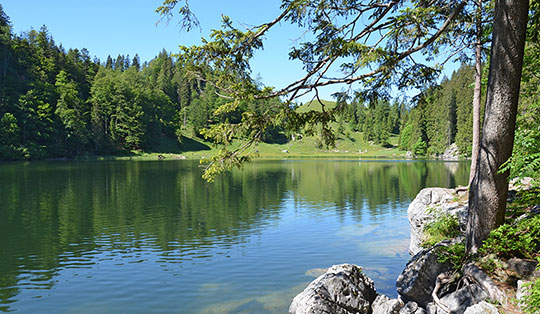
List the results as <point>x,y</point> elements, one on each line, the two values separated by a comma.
<point>152,236</point>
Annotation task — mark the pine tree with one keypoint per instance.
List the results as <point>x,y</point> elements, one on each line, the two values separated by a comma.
<point>109,63</point>
<point>136,62</point>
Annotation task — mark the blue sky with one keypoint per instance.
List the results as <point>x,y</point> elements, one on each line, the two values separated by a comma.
<point>129,27</point>
<point>125,27</point>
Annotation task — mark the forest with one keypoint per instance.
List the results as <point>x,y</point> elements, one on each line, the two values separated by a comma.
<point>61,103</point>
<point>58,102</point>
<point>64,103</point>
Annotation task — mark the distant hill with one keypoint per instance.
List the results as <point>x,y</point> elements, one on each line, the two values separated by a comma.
<point>315,105</point>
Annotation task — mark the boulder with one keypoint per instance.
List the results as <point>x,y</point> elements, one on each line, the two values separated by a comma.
<point>343,289</point>
<point>520,184</point>
<point>385,305</point>
<point>451,153</point>
<point>417,280</point>
<point>479,277</point>
<point>412,308</point>
<point>458,301</point>
<point>482,308</point>
<point>429,203</point>
<point>522,268</point>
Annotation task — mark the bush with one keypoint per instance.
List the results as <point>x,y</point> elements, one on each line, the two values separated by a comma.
<point>531,300</point>
<point>454,254</point>
<point>521,239</point>
<point>444,227</point>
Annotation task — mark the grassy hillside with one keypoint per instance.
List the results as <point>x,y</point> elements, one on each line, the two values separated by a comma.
<point>348,145</point>
<point>315,105</point>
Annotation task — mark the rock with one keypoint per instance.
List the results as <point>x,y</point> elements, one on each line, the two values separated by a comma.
<point>482,308</point>
<point>520,184</point>
<point>385,305</point>
<point>522,291</point>
<point>462,190</point>
<point>451,153</point>
<point>531,214</point>
<point>521,268</point>
<point>476,274</point>
<point>412,308</point>
<point>417,280</point>
<point>457,302</point>
<point>343,289</point>
<point>429,203</point>
<point>409,155</point>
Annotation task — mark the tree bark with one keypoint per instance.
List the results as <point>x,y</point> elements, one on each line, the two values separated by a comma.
<point>477,93</point>
<point>488,190</point>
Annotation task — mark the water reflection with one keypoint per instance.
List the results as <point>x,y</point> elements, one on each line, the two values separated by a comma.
<point>97,226</point>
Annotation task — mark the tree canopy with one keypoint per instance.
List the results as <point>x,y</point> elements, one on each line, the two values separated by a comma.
<point>377,44</point>
<point>372,47</point>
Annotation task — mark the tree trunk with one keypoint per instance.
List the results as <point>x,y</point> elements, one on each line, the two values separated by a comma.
<point>489,189</point>
<point>477,93</point>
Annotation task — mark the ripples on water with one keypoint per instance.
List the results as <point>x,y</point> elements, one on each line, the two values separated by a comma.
<point>138,237</point>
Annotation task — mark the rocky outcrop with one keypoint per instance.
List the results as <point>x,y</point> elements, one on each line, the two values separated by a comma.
<point>474,273</point>
<point>522,268</point>
<point>426,286</point>
<point>482,308</point>
<point>451,153</point>
<point>457,302</point>
<point>425,208</point>
<point>412,308</point>
<point>385,305</point>
<point>343,289</point>
<point>417,281</point>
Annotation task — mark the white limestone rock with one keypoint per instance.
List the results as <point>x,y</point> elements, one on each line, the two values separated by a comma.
<point>343,289</point>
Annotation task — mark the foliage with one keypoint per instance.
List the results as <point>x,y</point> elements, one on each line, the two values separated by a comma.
<point>454,254</point>
<point>443,115</point>
<point>58,103</point>
<point>343,41</point>
<point>444,227</point>
<point>531,299</point>
<point>520,239</point>
<point>420,148</point>
<point>405,137</point>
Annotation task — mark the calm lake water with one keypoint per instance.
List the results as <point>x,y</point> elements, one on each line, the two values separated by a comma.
<point>152,236</point>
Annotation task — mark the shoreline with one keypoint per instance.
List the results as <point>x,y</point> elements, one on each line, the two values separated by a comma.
<point>427,284</point>
<point>284,156</point>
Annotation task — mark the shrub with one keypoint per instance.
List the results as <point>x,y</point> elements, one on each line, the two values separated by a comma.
<point>444,227</point>
<point>521,239</point>
<point>454,254</point>
<point>531,300</point>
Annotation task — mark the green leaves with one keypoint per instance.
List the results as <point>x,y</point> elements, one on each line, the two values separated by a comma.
<point>520,239</point>
<point>531,299</point>
<point>444,227</point>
